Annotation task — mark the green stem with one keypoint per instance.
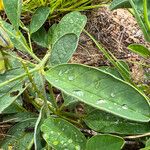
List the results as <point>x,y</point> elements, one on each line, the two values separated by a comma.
<point>32,81</point>
<point>52,96</point>
<point>139,20</point>
<point>111,58</point>
<point>38,67</point>
<point>146,14</point>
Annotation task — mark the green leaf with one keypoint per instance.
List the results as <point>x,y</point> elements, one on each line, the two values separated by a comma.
<point>20,137</point>
<point>124,70</point>
<point>66,36</point>
<point>119,4</point>
<point>63,49</point>
<point>51,33</point>
<point>19,117</point>
<point>2,63</point>
<point>13,11</point>
<point>73,22</point>
<point>17,38</point>
<point>40,37</point>
<point>39,18</point>
<point>10,92</point>
<point>105,142</point>
<point>14,108</point>
<point>60,134</point>
<point>108,123</point>
<point>111,70</point>
<point>37,131</point>
<point>69,99</point>
<point>100,90</point>
<point>140,49</point>
<point>5,42</point>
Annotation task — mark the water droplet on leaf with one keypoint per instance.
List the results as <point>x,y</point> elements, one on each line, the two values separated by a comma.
<point>78,92</point>
<point>124,106</point>
<point>101,101</point>
<point>70,78</point>
<point>55,143</point>
<point>112,95</point>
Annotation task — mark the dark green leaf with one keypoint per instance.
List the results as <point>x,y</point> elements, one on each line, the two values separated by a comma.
<point>13,108</point>
<point>65,37</point>
<point>100,90</point>
<point>119,4</point>
<point>20,136</point>
<point>60,134</point>
<point>40,37</point>
<point>17,38</point>
<point>10,92</point>
<point>105,142</point>
<point>39,18</point>
<point>108,123</point>
<point>13,11</point>
<point>63,49</point>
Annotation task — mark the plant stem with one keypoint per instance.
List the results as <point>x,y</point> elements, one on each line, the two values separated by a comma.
<point>112,59</point>
<point>32,81</point>
<point>137,136</point>
<point>146,14</point>
<point>52,96</point>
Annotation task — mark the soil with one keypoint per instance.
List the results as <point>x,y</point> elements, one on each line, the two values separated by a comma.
<point>115,30</point>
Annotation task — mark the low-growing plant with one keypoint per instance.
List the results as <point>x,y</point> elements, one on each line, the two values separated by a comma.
<point>110,104</point>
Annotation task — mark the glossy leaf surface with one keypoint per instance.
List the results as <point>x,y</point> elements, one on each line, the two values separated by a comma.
<point>100,90</point>
<point>60,134</point>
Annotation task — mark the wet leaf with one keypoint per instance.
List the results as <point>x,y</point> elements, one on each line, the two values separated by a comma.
<point>6,97</point>
<point>19,138</point>
<point>63,49</point>
<point>66,36</point>
<point>105,142</point>
<point>60,134</point>
<point>13,11</point>
<point>107,123</point>
<point>39,18</point>
<point>100,90</point>
<point>16,37</point>
<point>40,37</point>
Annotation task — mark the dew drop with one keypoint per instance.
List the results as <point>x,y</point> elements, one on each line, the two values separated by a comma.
<point>62,142</point>
<point>56,80</point>
<point>55,143</point>
<point>78,92</point>
<point>60,73</point>
<point>112,95</point>
<point>71,78</point>
<point>124,106</point>
<point>97,85</point>
<point>77,147</point>
<point>70,141</point>
<point>100,101</point>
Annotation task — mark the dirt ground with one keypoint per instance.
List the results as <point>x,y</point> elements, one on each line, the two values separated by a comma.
<point>115,30</point>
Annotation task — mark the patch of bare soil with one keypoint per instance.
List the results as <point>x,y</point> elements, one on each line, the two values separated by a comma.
<point>115,30</point>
